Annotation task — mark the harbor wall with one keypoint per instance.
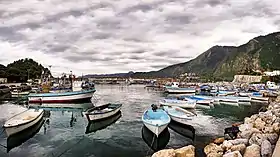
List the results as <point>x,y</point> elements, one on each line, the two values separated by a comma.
<point>246,79</point>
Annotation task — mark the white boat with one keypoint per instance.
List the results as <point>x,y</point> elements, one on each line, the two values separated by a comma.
<point>23,121</point>
<point>259,99</point>
<point>17,93</point>
<point>65,97</point>
<point>186,103</point>
<point>156,120</point>
<point>102,112</point>
<point>232,101</point>
<point>175,89</point>
<point>178,114</point>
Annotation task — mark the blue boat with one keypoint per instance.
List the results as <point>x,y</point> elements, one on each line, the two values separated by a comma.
<point>156,120</point>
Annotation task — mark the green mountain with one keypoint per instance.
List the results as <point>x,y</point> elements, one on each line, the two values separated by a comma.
<point>261,53</point>
<point>21,70</point>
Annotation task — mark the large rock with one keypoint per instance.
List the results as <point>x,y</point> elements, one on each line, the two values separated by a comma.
<point>257,138</point>
<point>259,124</point>
<point>240,148</point>
<point>227,145</point>
<point>219,140</point>
<point>253,151</point>
<point>272,138</point>
<point>165,153</point>
<point>268,129</point>
<point>214,154</point>
<point>212,148</point>
<point>248,133</point>
<point>276,127</point>
<point>240,141</point>
<point>233,154</point>
<point>188,151</point>
<point>266,149</point>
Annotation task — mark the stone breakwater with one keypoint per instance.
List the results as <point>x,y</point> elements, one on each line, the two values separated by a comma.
<point>257,137</point>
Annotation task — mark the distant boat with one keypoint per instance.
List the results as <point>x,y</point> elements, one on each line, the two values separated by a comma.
<point>4,89</point>
<point>102,112</point>
<point>178,114</point>
<point>156,120</point>
<point>17,93</point>
<point>23,121</point>
<point>248,94</point>
<point>186,103</point>
<point>102,124</point>
<point>64,97</point>
<point>175,89</point>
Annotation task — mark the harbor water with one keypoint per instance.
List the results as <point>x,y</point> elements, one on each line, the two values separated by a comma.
<point>65,132</point>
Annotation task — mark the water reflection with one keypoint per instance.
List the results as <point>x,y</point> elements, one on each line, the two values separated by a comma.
<point>94,126</point>
<point>21,137</point>
<point>185,130</point>
<point>154,142</point>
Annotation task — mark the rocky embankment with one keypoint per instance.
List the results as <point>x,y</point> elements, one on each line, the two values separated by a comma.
<point>257,137</point>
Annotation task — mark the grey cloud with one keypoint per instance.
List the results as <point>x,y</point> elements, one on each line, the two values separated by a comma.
<point>10,34</point>
<point>179,18</point>
<point>212,3</point>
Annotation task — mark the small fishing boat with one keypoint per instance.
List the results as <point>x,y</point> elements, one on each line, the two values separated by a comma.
<point>156,120</point>
<point>206,101</point>
<point>186,103</point>
<point>102,112</point>
<point>178,114</point>
<point>94,126</point>
<point>65,97</point>
<point>259,99</point>
<point>23,121</point>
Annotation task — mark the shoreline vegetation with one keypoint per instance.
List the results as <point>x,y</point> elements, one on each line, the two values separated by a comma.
<point>258,136</point>
<point>22,70</point>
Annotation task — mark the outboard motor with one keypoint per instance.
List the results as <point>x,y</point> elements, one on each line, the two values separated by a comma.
<point>154,107</point>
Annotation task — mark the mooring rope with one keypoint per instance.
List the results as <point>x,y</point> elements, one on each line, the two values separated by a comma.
<point>148,152</point>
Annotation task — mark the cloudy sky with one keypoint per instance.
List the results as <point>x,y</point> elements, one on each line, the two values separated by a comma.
<point>108,36</point>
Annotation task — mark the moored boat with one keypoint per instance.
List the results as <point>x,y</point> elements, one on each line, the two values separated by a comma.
<point>175,89</point>
<point>23,121</point>
<point>186,103</point>
<point>156,120</point>
<point>102,112</point>
<point>65,97</point>
<point>17,93</point>
<point>178,114</point>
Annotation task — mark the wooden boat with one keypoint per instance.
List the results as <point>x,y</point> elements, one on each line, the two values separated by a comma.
<point>64,97</point>
<point>156,120</point>
<point>23,121</point>
<point>102,112</point>
<point>102,124</point>
<point>178,114</point>
<point>21,137</point>
<point>186,103</point>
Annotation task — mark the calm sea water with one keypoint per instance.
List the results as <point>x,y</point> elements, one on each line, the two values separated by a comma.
<point>68,133</point>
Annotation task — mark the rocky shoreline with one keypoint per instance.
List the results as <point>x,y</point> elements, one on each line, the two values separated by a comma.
<point>256,137</point>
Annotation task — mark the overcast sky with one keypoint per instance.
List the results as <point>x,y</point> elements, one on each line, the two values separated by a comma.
<point>109,36</point>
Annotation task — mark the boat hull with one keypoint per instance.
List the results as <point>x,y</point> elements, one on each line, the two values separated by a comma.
<point>60,98</point>
<point>156,129</point>
<point>95,117</point>
<point>180,91</point>
<point>183,105</point>
<point>15,129</point>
